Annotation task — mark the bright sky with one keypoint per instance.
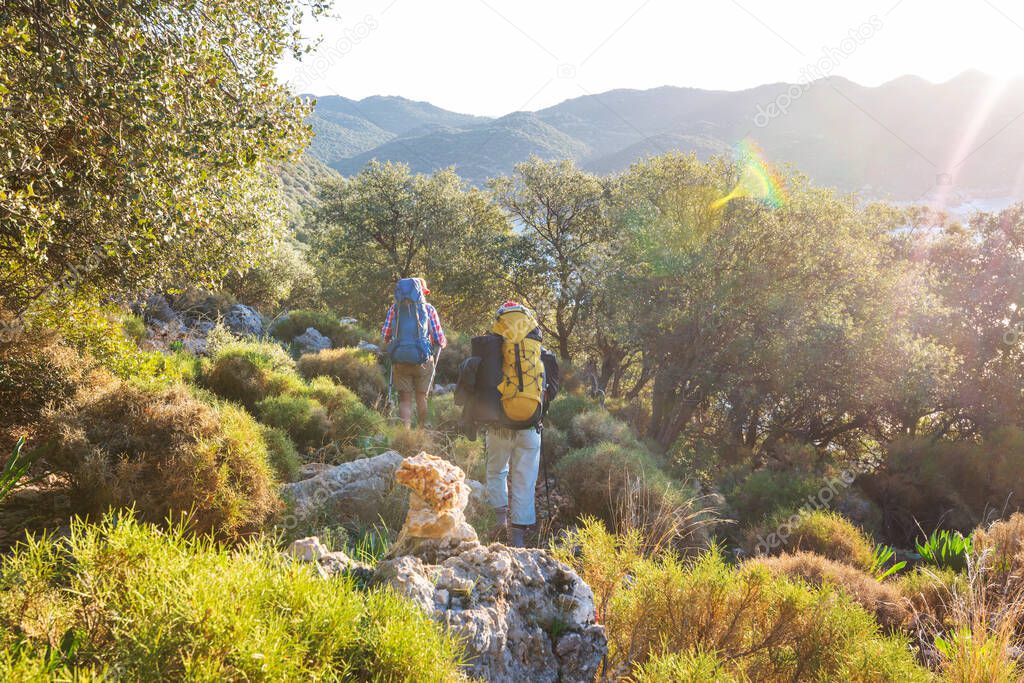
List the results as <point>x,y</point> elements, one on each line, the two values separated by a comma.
<point>492,57</point>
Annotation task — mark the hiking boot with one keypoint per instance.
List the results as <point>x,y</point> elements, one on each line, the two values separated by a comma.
<point>517,535</point>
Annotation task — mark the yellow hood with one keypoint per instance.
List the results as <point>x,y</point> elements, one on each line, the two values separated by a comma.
<point>515,324</point>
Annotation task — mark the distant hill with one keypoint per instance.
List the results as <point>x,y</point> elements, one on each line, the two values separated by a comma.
<point>894,141</point>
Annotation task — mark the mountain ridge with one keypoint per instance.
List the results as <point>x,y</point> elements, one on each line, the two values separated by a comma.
<point>898,140</point>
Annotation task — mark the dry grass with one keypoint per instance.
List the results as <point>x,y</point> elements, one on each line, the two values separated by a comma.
<point>883,600</point>
<point>661,521</point>
<point>986,620</point>
<point>821,532</point>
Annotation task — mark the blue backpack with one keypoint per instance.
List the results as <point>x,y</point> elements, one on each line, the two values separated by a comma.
<point>411,340</point>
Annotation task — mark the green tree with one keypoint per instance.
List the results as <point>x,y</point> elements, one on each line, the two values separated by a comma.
<point>564,241</point>
<point>137,136</point>
<point>386,223</point>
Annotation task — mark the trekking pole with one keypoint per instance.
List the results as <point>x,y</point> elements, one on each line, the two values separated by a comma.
<point>433,373</point>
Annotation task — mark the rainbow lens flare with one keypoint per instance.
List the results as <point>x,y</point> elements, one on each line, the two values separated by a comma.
<point>758,180</point>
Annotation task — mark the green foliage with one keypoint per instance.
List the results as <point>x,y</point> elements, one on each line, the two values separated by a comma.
<point>355,369</point>
<point>248,372</point>
<point>281,453</point>
<point>564,408</point>
<point>769,492</point>
<point>599,426</point>
<point>946,550</point>
<point>761,626</point>
<point>303,418</point>
<point>881,557</point>
<point>953,482</point>
<point>386,223</point>
<point>15,468</point>
<point>164,452</point>
<point>150,165</point>
<point>242,614</point>
<point>282,279</point>
<point>350,418</point>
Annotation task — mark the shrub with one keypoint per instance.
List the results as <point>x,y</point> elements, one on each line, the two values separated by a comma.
<point>883,600</point>
<point>598,426</point>
<point>163,451</point>
<point>349,418</point>
<point>595,477</point>
<point>98,331</point>
<point>928,483</point>
<point>355,369</point>
<point>248,372</point>
<point>39,370</point>
<point>554,444</point>
<point>296,322</point>
<point>303,418</point>
<point>768,492</point>
<point>692,666</point>
<point>564,408</point>
<point>625,489</point>
<point>764,627</point>
<point>281,453</point>
<point>152,605</point>
<point>822,532</point>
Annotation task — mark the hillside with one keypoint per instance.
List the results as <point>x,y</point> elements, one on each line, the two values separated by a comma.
<point>894,141</point>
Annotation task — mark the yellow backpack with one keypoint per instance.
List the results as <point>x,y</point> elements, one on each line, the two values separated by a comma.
<point>522,383</point>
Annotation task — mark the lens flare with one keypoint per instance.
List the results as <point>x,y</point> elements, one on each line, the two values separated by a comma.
<point>758,180</point>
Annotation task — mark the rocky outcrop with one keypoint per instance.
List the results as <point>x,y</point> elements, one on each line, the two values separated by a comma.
<point>311,341</point>
<point>244,321</point>
<point>521,614</point>
<point>357,492</point>
<point>438,499</point>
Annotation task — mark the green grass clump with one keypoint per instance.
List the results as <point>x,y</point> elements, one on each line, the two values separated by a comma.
<point>303,418</point>
<point>349,417</point>
<point>693,666</point>
<point>282,454</point>
<point>163,605</point>
<point>355,369</point>
<point>248,372</point>
<point>761,626</point>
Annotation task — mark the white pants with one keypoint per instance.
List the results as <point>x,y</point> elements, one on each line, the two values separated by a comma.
<point>513,458</point>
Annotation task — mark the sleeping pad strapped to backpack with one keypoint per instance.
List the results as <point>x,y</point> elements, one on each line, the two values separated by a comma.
<point>411,343</point>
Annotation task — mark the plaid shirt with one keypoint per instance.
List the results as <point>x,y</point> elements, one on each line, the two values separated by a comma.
<point>436,333</point>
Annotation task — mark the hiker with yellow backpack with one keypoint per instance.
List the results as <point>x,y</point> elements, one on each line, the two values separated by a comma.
<point>506,386</point>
